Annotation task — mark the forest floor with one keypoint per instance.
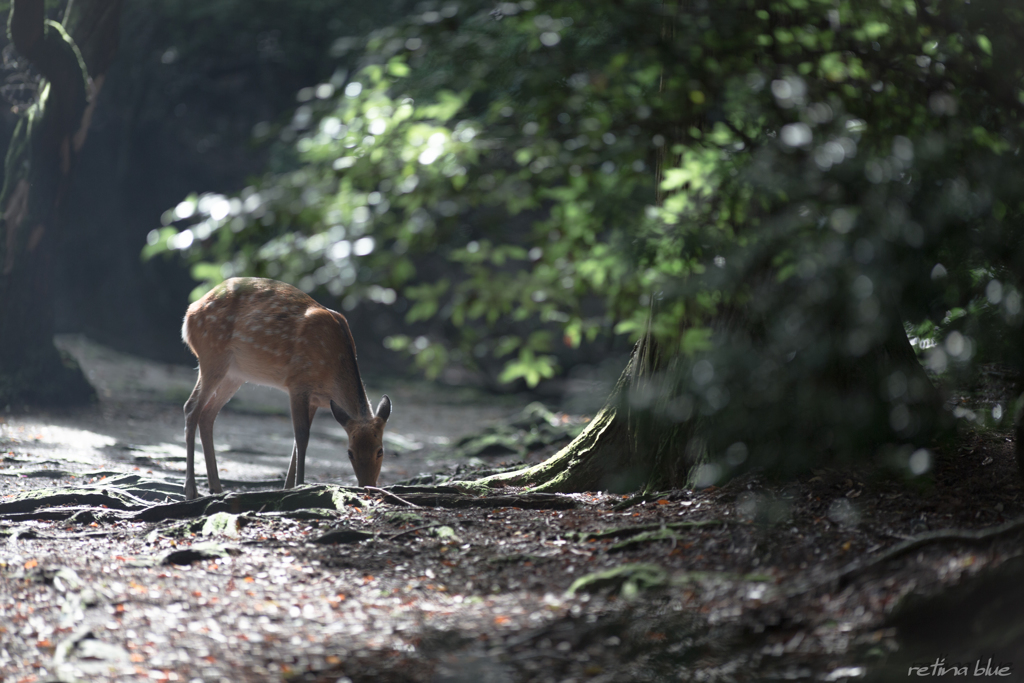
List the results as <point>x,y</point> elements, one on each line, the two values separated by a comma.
<point>106,574</point>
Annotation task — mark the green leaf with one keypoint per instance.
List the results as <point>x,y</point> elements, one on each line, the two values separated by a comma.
<point>398,67</point>
<point>529,367</point>
<point>156,243</point>
<point>422,310</point>
<point>695,340</point>
<point>432,360</point>
<point>209,273</point>
<point>397,342</point>
<point>506,345</point>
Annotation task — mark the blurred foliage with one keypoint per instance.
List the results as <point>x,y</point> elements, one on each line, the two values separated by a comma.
<point>770,189</point>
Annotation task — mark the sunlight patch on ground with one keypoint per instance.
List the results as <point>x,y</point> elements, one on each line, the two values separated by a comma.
<point>71,444</point>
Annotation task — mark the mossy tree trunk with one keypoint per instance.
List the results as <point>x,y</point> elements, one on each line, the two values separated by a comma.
<point>72,57</point>
<point>622,448</point>
<point>631,445</point>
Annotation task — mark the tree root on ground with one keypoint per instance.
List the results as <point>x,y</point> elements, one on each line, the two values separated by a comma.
<point>87,504</point>
<point>846,574</point>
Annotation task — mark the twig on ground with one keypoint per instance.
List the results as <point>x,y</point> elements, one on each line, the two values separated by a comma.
<point>388,494</point>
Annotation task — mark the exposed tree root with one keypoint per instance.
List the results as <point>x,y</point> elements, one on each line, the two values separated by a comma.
<point>928,538</point>
<point>621,450</point>
<point>94,504</point>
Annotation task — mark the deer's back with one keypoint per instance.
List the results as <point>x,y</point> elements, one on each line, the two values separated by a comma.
<point>268,333</point>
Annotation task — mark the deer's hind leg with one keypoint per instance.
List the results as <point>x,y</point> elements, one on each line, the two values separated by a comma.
<point>190,439</point>
<point>227,388</point>
<point>210,377</point>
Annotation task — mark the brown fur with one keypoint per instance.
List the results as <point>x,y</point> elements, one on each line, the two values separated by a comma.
<point>270,333</point>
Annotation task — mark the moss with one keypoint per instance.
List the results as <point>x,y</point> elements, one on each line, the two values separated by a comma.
<point>222,524</point>
<point>644,537</point>
<point>579,466</point>
<point>341,497</point>
<point>627,580</point>
<point>445,533</point>
<point>622,449</point>
<point>31,501</point>
<point>402,518</point>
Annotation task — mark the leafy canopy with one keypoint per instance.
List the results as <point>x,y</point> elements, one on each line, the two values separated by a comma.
<point>770,189</point>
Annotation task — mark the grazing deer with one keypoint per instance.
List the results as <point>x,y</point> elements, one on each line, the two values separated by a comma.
<point>270,333</point>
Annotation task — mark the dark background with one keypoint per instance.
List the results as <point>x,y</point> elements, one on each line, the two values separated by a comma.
<point>192,104</point>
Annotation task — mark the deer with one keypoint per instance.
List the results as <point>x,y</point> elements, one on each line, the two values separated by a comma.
<point>271,333</point>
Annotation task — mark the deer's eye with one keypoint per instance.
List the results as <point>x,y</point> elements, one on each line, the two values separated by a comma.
<point>350,456</point>
<point>380,453</point>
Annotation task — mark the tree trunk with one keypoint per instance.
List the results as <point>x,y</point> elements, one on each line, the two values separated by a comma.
<point>72,59</point>
<point>623,448</point>
<point>633,442</point>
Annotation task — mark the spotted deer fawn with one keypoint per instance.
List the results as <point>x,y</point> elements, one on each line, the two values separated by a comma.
<point>270,333</point>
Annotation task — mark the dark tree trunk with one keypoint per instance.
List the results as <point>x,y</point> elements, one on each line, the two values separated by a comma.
<point>630,445</point>
<point>623,448</point>
<point>72,59</point>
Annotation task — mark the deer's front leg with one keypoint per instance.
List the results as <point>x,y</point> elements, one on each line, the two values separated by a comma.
<point>302,418</point>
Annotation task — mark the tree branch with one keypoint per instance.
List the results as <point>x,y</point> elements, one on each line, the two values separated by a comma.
<point>94,25</point>
<point>25,27</point>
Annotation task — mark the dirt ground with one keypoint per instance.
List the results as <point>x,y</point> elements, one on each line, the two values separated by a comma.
<point>835,577</point>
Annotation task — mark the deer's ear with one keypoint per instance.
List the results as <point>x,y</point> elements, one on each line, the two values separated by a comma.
<point>339,414</point>
<point>384,408</point>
